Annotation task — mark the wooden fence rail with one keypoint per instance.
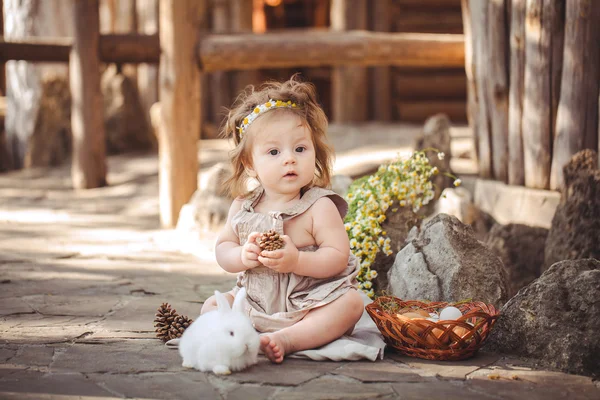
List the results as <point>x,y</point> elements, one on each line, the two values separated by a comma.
<point>179,85</point>
<point>249,51</point>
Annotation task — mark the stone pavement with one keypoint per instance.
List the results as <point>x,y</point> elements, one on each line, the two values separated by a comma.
<point>82,273</point>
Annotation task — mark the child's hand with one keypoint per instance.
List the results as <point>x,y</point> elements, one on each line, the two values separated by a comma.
<point>282,260</point>
<point>251,251</point>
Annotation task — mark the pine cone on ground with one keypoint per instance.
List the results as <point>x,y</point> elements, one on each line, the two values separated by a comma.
<point>270,240</point>
<point>179,326</point>
<point>164,318</point>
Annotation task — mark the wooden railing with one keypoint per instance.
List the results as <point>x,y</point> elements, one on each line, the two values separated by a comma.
<point>180,83</point>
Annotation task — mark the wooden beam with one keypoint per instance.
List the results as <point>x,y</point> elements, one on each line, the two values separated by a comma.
<point>479,33</point>
<point>88,168</point>
<point>428,84</point>
<point>470,71</point>
<point>36,49</point>
<point>516,174</point>
<point>129,48</point>
<point>419,111</point>
<point>497,86</point>
<point>317,48</point>
<point>180,101</point>
<point>381,77</point>
<point>577,119</point>
<point>349,83</point>
<point>540,23</point>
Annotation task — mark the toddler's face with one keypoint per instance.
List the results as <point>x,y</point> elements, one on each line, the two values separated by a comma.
<point>283,153</point>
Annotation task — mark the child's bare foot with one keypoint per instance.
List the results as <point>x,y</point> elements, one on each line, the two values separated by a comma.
<point>274,346</point>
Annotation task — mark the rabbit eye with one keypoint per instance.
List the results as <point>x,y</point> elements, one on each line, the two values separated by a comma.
<point>230,333</point>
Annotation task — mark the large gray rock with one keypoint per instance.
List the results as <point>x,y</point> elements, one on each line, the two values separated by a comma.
<point>575,231</point>
<point>445,262</point>
<point>556,319</point>
<point>521,249</point>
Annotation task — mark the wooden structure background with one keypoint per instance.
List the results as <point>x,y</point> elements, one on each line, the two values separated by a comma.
<point>185,52</point>
<point>533,68</point>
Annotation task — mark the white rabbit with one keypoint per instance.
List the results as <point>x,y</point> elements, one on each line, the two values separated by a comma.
<point>222,340</point>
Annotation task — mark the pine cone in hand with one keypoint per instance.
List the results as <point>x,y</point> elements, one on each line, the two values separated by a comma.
<point>270,240</point>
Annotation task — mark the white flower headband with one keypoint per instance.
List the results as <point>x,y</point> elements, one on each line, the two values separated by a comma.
<point>260,109</point>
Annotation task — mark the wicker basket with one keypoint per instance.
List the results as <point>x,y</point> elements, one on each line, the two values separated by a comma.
<point>444,340</point>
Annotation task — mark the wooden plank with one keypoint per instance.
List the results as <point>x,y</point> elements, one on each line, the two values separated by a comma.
<point>147,74</point>
<point>219,90</point>
<point>241,22</point>
<point>497,86</point>
<point>130,48</point>
<point>315,48</point>
<point>428,4</point>
<point>2,66</point>
<point>516,174</point>
<point>430,84</point>
<point>470,42</point>
<point>419,111</point>
<point>426,20</point>
<point>577,119</point>
<point>540,20</point>
<point>348,83</point>
<point>88,168</point>
<point>179,91</point>
<point>35,49</point>
<point>479,26</point>
<point>380,77</point>
<point>122,48</point>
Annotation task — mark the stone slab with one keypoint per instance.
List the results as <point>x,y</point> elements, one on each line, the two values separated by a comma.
<point>130,356</point>
<point>28,384</point>
<point>446,369</point>
<point>516,204</point>
<point>291,372</point>
<point>334,388</point>
<point>181,385</point>
<point>379,371</point>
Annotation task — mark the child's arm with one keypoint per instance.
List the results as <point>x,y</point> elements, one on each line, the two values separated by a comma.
<point>330,236</point>
<point>230,255</point>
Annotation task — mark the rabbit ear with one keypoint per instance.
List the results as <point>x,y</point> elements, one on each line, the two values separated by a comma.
<point>222,303</point>
<point>239,300</point>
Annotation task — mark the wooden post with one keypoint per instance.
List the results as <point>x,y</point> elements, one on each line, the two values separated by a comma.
<point>2,65</point>
<point>517,79</point>
<point>470,54</point>
<point>349,84</point>
<point>497,86</point>
<point>219,82</point>
<point>479,23</point>
<point>577,119</point>
<point>87,115</point>
<point>380,77</point>
<point>147,74</point>
<point>241,22</point>
<point>541,60</point>
<point>180,101</point>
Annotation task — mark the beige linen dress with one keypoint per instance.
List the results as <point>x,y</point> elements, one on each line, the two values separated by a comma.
<point>278,300</point>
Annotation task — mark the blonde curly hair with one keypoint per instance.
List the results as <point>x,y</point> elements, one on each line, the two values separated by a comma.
<point>309,111</point>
